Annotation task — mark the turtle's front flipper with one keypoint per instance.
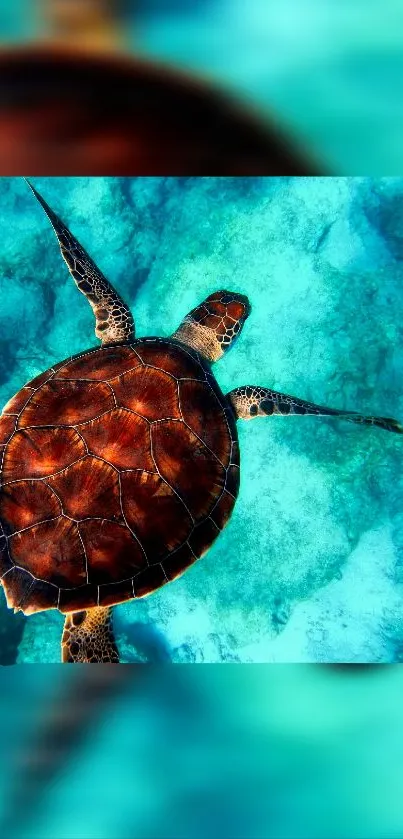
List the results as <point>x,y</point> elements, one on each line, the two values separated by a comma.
<point>114,320</point>
<point>88,637</point>
<point>251,401</point>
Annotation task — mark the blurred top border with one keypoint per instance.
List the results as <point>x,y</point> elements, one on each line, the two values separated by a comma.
<point>69,111</point>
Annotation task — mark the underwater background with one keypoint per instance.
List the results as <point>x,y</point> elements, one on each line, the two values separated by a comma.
<point>309,568</point>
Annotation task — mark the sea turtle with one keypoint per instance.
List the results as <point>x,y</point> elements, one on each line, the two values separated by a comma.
<point>120,465</point>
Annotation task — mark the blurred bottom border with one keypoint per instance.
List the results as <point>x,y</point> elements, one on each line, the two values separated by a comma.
<point>227,750</point>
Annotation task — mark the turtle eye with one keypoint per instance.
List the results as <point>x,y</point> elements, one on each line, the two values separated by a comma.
<point>253,410</point>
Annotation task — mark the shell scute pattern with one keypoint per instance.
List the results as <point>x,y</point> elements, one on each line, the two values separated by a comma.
<point>116,476</point>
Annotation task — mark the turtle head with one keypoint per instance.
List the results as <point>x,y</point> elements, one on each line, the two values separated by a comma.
<point>212,327</point>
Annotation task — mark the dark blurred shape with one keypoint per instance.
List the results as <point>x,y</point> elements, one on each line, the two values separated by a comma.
<point>352,669</point>
<point>68,111</point>
<point>81,702</point>
<point>61,727</point>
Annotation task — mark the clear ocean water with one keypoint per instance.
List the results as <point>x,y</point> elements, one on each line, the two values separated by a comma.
<point>309,569</point>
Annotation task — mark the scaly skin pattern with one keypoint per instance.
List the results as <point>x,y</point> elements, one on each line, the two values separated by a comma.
<point>113,319</point>
<point>253,401</point>
<point>88,638</point>
<point>212,327</point>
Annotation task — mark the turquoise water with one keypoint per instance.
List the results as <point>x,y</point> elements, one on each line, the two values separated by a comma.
<point>309,567</point>
<point>238,752</point>
<point>328,70</point>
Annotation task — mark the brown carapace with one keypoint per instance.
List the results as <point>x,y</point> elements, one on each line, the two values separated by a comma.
<point>119,467</point>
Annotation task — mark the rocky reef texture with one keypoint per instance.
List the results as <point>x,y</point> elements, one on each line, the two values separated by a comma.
<point>310,566</point>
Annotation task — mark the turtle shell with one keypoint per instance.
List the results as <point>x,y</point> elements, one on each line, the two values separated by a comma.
<point>119,468</point>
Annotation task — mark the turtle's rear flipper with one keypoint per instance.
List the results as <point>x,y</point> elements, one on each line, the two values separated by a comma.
<point>250,402</point>
<point>88,638</point>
